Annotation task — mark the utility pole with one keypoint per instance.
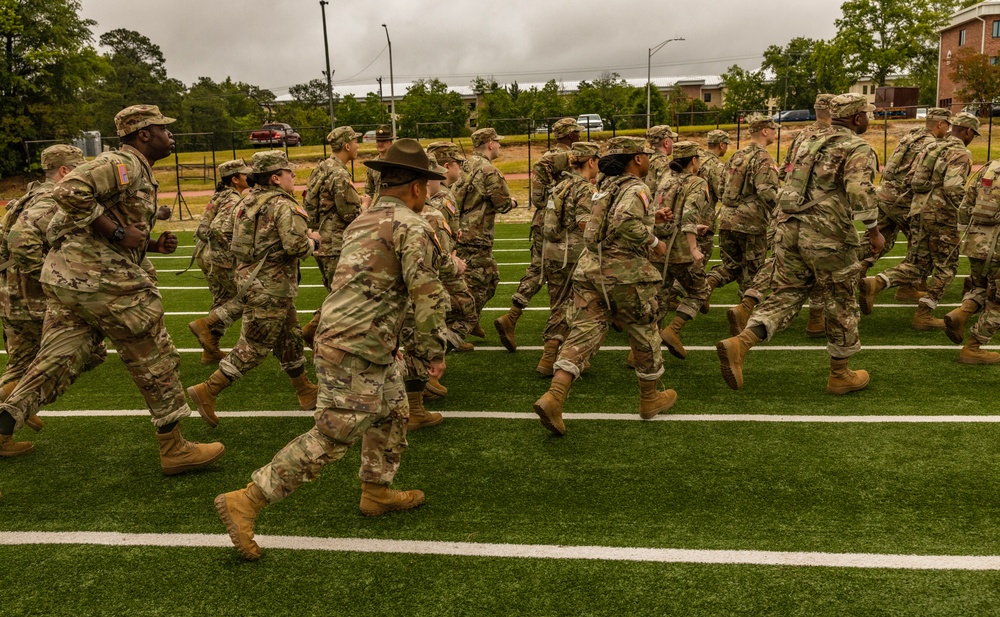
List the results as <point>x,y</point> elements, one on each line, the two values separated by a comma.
<point>329,74</point>
<point>392,89</point>
<point>649,65</point>
<point>381,103</point>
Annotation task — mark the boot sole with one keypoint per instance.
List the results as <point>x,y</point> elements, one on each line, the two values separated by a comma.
<point>866,301</point>
<point>438,392</point>
<point>952,330</point>
<point>509,343</point>
<point>546,421</point>
<point>227,520</point>
<point>435,422</point>
<point>19,452</point>
<point>178,469</point>
<point>206,346</point>
<point>379,512</point>
<point>962,360</point>
<point>210,419</point>
<point>678,352</point>
<point>847,389</point>
<point>728,375</point>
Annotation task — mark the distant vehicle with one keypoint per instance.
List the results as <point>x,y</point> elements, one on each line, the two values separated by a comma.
<point>921,113</point>
<point>275,134</point>
<point>795,115</point>
<point>594,122</point>
<point>369,137</point>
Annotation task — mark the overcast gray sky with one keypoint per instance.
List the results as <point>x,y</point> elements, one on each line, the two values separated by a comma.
<point>278,43</point>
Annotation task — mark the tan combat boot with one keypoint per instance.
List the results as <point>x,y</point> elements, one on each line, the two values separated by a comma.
<point>843,380</point>
<point>466,346</point>
<point>209,357</point>
<point>732,352</point>
<point>505,325</point>
<point>306,391</point>
<point>549,406</point>
<point>309,330</point>
<point>202,330</point>
<point>671,337</point>
<point>238,511</point>
<point>178,455</point>
<point>420,417</point>
<point>9,447</point>
<point>435,388</point>
<point>707,304</point>
<point>870,286</point>
<point>972,354</point>
<point>204,395</point>
<point>478,331</point>
<point>739,315</point>
<point>908,293</point>
<point>954,321</point>
<point>652,402</point>
<point>33,422</point>
<point>924,319</point>
<point>550,351</point>
<point>630,360</point>
<point>377,499</point>
<point>816,327</point>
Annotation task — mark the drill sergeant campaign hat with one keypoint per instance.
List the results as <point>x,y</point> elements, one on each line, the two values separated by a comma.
<point>484,136</point>
<point>846,105</point>
<point>967,120</point>
<point>61,155</point>
<point>716,136</point>
<point>231,168</point>
<point>627,145</point>
<point>340,136</point>
<point>939,114</point>
<point>131,119</point>
<point>565,127</point>
<point>685,149</point>
<point>659,133</point>
<point>759,122</point>
<point>271,160</point>
<point>446,152</point>
<point>585,150</point>
<point>383,133</point>
<point>822,101</point>
<point>406,154</point>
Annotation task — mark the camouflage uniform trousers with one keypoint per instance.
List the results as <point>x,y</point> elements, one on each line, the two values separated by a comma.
<point>414,368</point>
<point>270,324</point>
<point>481,275</point>
<point>985,294</point>
<point>892,221</point>
<point>742,256</point>
<point>933,247</point>
<point>461,317</point>
<point>357,399</point>
<point>327,266</point>
<point>706,244</point>
<point>74,323</point>
<point>589,316</point>
<point>21,338</point>
<point>691,278</point>
<point>225,305</point>
<point>559,280</point>
<point>800,265</point>
<point>760,289</point>
<point>531,282</point>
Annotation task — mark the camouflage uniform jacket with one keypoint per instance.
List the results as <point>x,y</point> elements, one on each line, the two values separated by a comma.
<point>981,233</point>
<point>332,203</point>
<point>280,239</point>
<point>220,230</point>
<point>547,173</point>
<point>445,264</point>
<point>573,198</point>
<point>387,263</point>
<point>659,168</point>
<point>372,178</point>
<point>713,170</point>
<point>21,294</point>
<point>950,173</point>
<point>480,195</point>
<point>687,195</point>
<point>119,185</point>
<point>624,257</point>
<point>894,183</point>
<point>842,181</point>
<point>786,165</point>
<point>444,202</point>
<point>760,191</point>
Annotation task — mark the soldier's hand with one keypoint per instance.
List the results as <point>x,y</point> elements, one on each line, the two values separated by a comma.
<point>876,239</point>
<point>460,264</point>
<point>135,236</point>
<point>436,369</point>
<point>664,215</point>
<point>167,243</point>
<point>660,248</point>
<point>702,230</point>
<point>697,254</point>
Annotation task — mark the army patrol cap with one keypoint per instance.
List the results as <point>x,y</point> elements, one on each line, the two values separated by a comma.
<point>658,134</point>
<point>484,136</point>
<point>446,152</point>
<point>231,168</point>
<point>433,164</point>
<point>271,160</point>
<point>585,150</point>
<point>383,133</point>
<point>822,101</point>
<point>406,154</point>
<point>685,149</point>
<point>565,128</point>
<point>759,122</point>
<point>131,119</point>
<point>846,105</point>
<point>627,145</point>
<point>939,114</point>
<point>967,120</point>
<point>716,136</point>
<point>340,136</point>
<point>61,155</point>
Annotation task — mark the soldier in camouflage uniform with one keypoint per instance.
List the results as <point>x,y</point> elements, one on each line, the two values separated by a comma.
<point>547,172</point>
<point>562,230</point>
<point>332,203</point>
<point>383,141</point>
<point>824,118</point>
<point>97,279</point>
<point>661,139</point>
<point>938,183</point>
<point>270,236</point>
<point>713,170</point>
<point>23,248</point>
<point>816,244</point>
<point>615,280</point>
<point>688,197</point>
<point>748,201</point>
<point>215,232</point>
<point>480,195</point>
<point>387,263</point>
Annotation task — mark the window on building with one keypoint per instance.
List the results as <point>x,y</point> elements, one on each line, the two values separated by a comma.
<point>993,61</point>
<point>961,38</point>
<point>946,103</point>
<point>864,89</point>
<point>996,28</point>
<point>708,97</point>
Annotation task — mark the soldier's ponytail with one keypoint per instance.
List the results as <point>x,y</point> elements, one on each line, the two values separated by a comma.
<point>614,164</point>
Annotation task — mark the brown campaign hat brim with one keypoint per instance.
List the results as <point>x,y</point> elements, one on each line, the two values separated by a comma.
<point>380,165</point>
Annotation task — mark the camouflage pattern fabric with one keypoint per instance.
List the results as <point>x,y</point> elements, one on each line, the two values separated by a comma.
<point>713,170</point>
<point>755,170</point>
<point>358,399</point>
<point>742,257</point>
<point>482,275</point>
<point>219,232</point>
<point>786,165</point>
<point>462,314</point>
<point>659,169</point>
<point>280,240</point>
<point>986,273</point>
<point>480,195</point>
<point>332,203</point>
<point>372,178</point>
<point>444,202</point>
<point>270,324</point>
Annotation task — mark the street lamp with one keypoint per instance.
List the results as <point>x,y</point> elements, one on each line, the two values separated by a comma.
<point>649,64</point>
<point>329,74</point>
<point>392,90</point>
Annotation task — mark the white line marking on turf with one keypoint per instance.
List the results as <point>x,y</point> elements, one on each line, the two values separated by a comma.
<point>519,551</point>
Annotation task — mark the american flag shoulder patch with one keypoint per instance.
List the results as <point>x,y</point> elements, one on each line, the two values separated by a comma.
<point>122,175</point>
<point>987,182</point>
<point>645,198</point>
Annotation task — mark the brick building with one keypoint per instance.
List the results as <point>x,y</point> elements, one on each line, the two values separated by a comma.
<point>977,27</point>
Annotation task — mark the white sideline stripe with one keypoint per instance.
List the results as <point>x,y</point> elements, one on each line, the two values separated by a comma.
<point>624,417</point>
<point>519,551</point>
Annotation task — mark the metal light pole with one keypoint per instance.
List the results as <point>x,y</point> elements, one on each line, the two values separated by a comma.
<point>392,89</point>
<point>329,75</point>
<point>649,65</point>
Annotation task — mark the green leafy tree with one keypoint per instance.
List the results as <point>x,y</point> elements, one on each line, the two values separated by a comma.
<point>609,96</point>
<point>802,69</point>
<point>547,102</point>
<point>429,101</point>
<point>923,74</point>
<point>978,80</point>
<point>361,114</point>
<point>660,113</point>
<point>495,101</point>
<point>745,91</point>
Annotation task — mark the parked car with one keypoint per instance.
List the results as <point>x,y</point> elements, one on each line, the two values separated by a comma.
<point>369,137</point>
<point>275,134</point>
<point>594,122</point>
<point>795,115</point>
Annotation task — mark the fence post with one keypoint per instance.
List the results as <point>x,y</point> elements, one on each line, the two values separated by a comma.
<point>777,155</point>
<point>885,137</point>
<point>232,139</point>
<point>989,137</point>
<point>215,173</point>
<point>739,123</point>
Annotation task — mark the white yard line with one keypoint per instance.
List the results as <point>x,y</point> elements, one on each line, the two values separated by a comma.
<point>519,551</point>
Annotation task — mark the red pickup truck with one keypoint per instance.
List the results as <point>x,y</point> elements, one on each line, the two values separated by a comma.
<point>275,134</point>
